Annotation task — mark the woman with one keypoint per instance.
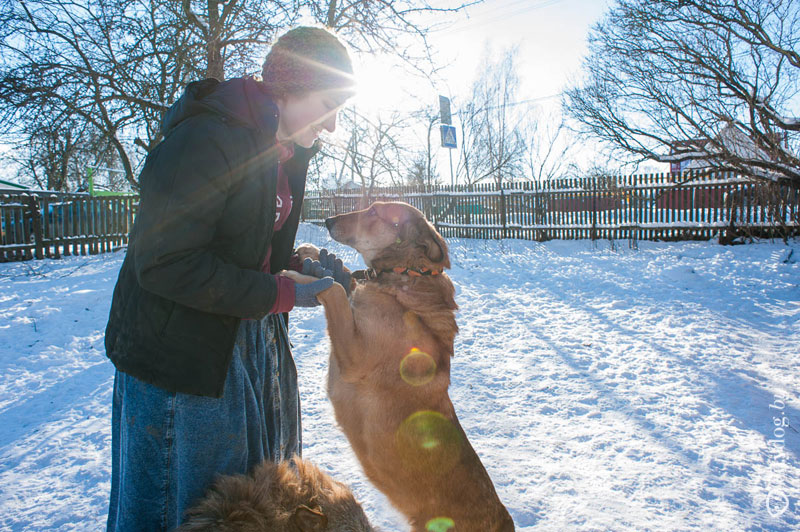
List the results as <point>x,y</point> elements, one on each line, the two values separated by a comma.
<point>205,381</point>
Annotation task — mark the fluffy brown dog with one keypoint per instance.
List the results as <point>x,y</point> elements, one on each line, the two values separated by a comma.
<point>390,371</point>
<point>278,498</point>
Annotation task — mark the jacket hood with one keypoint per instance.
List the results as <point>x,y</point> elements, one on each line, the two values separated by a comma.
<point>240,100</point>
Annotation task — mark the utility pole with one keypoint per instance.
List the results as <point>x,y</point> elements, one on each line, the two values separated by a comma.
<point>448,133</point>
<point>430,155</point>
<point>452,179</point>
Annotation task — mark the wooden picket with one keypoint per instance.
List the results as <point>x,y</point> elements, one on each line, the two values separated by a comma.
<point>39,224</point>
<point>635,207</point>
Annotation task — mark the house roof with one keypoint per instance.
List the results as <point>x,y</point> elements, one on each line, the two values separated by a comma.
<point>9,184</point>
<point>689,143</point>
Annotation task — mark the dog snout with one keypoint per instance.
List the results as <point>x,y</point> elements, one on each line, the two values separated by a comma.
<point>329,223</point>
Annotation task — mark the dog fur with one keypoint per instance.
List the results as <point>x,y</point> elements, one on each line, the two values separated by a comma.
<point>286,497</point>
<point>391,345</point>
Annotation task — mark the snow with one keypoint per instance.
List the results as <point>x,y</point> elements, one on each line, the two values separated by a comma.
<point>630,225</point>
<point>604,387</point>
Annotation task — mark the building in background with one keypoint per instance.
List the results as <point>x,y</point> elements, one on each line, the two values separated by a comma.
<point>732,138</point>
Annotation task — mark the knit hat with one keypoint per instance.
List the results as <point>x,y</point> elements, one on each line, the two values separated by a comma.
<point>307,59</point>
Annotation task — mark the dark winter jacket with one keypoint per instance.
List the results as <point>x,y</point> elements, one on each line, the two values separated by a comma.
<point>205,223</point>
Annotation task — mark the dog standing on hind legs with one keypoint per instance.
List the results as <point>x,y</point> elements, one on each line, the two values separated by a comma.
<point>391,344</point>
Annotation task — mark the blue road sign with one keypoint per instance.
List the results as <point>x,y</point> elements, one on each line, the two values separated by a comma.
<point>448,136</point>
<point>444,110</point>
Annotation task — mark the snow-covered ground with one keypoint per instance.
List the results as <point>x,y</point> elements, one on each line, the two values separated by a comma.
<point>604,387</point>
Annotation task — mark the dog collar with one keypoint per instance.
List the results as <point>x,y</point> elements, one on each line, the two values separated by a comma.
<point>372,273</point>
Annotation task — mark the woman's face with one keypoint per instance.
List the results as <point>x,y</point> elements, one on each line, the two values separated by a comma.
<point>302,118</point>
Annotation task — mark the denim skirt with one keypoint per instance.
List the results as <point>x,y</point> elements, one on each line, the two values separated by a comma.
<point>168,447</point>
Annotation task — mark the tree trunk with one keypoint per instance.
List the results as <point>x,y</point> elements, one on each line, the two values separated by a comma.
<point>331,18</point>
<point>215,67</point>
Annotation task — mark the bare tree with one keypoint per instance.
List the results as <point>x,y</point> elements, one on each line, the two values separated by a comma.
<point>57,156</point>
<point>386,25</point>
<point>108,67</point>
<point>117,65</point>
<point>233,33</point>
<point>549,148</point>
<point>424,119</point>
<point>711,80</point>
<point>418,171</point>
<point>493,139</point>
<point>374,154</point>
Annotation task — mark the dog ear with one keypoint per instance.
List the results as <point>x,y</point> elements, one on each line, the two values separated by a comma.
<point>429,239</point>
<point>308,520</point>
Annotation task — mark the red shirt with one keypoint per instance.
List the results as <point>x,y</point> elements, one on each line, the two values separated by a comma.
<point>283,206</point>
<point>283,202</point>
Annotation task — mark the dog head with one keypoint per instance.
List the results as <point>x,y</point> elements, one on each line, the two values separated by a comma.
<point>390,235</point>
<point>325,504</point>
<point>291,496</point>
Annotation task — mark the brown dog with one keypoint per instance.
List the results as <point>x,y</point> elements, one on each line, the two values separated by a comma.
<point>278,498</point>
<point>390,371</point>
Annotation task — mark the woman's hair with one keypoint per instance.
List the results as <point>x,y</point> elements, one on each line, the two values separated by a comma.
<point>307,59</point>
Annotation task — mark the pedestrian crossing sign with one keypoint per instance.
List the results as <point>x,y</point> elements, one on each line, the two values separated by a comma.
<point>448,136</point>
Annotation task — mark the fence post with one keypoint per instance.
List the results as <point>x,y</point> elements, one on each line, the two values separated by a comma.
<point>503,211</point>
<point>594,207</point>
<point>434,201</point>
<point>38,235</point>
<point>93,247</point>
<point>36,218</point>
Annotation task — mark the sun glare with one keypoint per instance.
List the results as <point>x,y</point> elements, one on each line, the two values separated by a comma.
<point>379,84</point>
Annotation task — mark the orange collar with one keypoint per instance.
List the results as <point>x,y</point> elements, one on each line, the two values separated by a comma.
<point>372,273</point>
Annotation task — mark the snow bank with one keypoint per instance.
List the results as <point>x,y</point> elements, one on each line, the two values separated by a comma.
<point>605,388</point>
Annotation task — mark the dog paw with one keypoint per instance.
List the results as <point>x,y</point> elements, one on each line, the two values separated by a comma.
<point>307,250</point>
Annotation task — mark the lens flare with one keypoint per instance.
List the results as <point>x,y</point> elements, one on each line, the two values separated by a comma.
<point>440,524</point>
<point>417,368</point>
<point>428,442</point>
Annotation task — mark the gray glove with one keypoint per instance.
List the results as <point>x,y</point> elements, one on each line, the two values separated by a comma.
<point>305,295</point>
<point>331,263</point>
<point>315,269</point>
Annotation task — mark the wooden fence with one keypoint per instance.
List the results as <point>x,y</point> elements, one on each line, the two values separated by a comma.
<point>636,207</point>
<point>38,224</point>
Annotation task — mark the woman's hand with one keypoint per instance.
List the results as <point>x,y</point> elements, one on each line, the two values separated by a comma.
<point>307,288</point>
<point>316,269</point>
<point>331,263</point>
<point>298,278</point>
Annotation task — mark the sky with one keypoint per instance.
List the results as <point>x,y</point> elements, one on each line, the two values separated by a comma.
<point>550,35</point>
<point>551,40</point>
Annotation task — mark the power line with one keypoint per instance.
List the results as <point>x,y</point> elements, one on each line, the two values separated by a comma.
<point>520,102</point>
<point>538,99</point>
<point>507,13</point>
